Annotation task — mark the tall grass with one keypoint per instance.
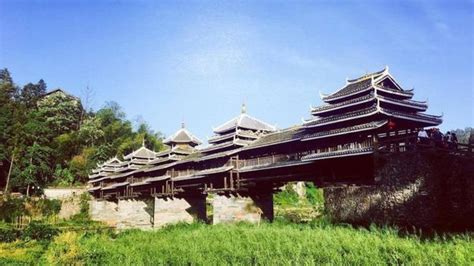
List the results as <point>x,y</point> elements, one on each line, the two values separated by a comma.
<point>242,244</point>
<point>270,244</point>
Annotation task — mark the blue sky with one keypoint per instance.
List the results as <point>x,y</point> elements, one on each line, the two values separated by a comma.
<point>198,61</point>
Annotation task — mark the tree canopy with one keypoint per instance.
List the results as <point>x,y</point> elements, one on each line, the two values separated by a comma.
<point>48,138</point>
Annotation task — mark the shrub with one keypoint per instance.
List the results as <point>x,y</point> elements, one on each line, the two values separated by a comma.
<point>314,195</point>
<point>286,197</point>
<point>48,207</point>
<point>64,250</point>
<point>11,208</point>
<point>8,233</point>
<point>21,253</point>
<point>83,214</point>
<point>39,231</point>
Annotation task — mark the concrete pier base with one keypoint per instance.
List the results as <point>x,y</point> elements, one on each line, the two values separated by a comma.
<point>104,211</point>
<point>236,208</point>
<point>134,213</point>
<point>175,210</point>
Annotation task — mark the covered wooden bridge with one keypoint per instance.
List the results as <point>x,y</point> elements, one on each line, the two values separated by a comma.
<point>248,159</point>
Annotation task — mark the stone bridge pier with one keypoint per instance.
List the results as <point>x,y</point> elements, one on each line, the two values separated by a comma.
<point>249,207</point>
<point>135,213</point>
<point>104,211</point>
<point>175,210</point>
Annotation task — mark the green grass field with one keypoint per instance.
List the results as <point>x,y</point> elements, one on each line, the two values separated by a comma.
<point>265,244</point>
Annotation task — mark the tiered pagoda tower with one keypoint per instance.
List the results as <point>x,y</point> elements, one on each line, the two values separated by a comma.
<point>115,177</point>
<point>237,132</point>
<point>114,181</point>
<point>359,111</point>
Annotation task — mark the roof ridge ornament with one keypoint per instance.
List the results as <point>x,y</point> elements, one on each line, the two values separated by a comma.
<point>243,109</point>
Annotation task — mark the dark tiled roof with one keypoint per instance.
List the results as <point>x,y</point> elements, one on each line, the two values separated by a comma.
<point>217,138</point>
<point>150,180</point>
<point>429,119</point>
<point>421,106</point>
<point>286,135</point>
<point>329,107</point>
<point>351,88</point>
<point>142,152</point>
<point>187,177</point>
<point>116,185</point>
<point>338,154</point>
<point>271,166</point>
<point>406,93</point>
<point>126,174</point>
<point>244,121</point>
<point>370,75</point>
<point>237,142</point>
<point>183,136</point>
<point>345,130</point>
<point>340,117</point>
<point>217,155</point>
<point>214,170</point>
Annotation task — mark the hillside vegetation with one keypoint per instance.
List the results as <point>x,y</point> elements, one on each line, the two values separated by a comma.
<point>56,139</point>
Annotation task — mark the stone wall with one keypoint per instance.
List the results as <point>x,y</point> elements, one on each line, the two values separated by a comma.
<point>236,208</point>
<point>69,197</point>
<point>133,213</point>
<point>427,190</point>
<point>63,193</point>
<point>176,210</point>
<point>104,211</point>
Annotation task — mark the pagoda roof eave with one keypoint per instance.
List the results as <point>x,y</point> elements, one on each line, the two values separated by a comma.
<point>161,167</point>
<point>342,105</point>
<point>407,94</point>
<point>363,113</point>
<point>99,179</point>
<point>244,121</point>
<point>116,185</point>
<point>430,120</point>
<point>93,189</point>
<point>271,166</point>
<point>217,155</point>
<point>126,174</point>
<point>186,177</point>
<point>405,103</point>
<point>182,136</point>
<point>221,146</point>
<point>143,152</point>
<point>337,154</point>
<point>338,132</point>
<point>150,180</point>
<point>329,98</point>
<point>218,138</point>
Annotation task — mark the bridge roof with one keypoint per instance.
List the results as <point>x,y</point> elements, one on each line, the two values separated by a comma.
<point>286,135</point>
<point>244,121</point>
<point>183,136</point>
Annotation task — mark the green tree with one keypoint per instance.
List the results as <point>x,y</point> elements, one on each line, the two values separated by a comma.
<point>31,93</point>
<point>61,111</point>
<point>8,106</point>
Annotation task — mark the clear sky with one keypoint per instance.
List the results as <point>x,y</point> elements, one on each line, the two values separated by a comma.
<point>198,61</point>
